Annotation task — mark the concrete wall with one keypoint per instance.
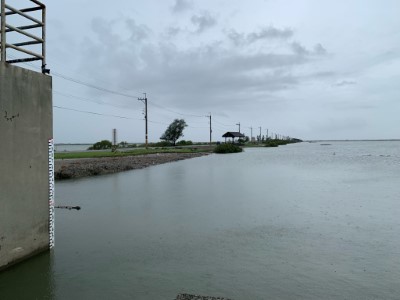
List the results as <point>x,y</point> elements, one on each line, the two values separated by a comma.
<point>25,129</point>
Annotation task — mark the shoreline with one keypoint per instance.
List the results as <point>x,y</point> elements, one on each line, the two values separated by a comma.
<point>85,167</point>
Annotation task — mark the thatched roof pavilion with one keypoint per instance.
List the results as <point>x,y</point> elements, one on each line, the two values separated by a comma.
<point>233,135</point>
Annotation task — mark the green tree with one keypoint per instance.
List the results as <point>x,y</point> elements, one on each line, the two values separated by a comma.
<point>104,144</point>
<point>174,131</point>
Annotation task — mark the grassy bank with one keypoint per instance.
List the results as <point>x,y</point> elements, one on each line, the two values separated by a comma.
<point>108,153</point>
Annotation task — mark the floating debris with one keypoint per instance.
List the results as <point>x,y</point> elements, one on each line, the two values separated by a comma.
<point>197,297</point>
<point>69,207</point>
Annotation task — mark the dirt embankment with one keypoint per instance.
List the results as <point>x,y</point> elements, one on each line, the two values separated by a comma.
<point>76,168</point>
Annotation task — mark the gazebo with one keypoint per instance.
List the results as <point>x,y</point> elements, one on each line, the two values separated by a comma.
<point>233,135</point>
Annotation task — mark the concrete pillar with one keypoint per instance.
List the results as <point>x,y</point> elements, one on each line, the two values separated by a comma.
<point>26,131</point>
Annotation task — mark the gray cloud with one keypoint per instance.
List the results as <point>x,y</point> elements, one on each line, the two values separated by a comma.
<point>254,72</point>
<point>301,50</point>
<point>173,31</point>
<point>210,75</point>
<point>263,34</point>
<point>182,5</point>
<point>101,28</point>
<point>375,60</point>
<point>344,83</point>
<point>203,21</point>
<point>252,62</point>
<point>270,32</point>
<point>319,50</point>
<point>137,32</point>
<point>322,75</point>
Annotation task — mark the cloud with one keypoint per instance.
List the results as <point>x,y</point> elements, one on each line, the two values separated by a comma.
<point>261,61</point>
<point>137,32</point>
<point>322,75</point>
<point>344,83</point>
<point>182,5</point>
<point>319,50</point>
<point>203,21</point>
<point>102,30</point>
<point>263,34</point>
<point>215,74</point>
<point>173,31</point>
<point>270,33</point>
<point>299,49</point>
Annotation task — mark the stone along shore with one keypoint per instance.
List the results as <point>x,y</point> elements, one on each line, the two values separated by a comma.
<point>84,167</point>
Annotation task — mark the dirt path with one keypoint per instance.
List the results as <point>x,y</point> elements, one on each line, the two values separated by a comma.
<point>76,168</point>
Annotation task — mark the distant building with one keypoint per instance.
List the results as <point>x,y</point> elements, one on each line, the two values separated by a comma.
<point>233,135</point>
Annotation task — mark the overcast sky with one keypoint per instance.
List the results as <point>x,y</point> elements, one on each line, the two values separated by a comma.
<point>310,69</point>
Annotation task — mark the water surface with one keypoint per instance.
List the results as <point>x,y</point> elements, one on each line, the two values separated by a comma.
<point>303,221</point>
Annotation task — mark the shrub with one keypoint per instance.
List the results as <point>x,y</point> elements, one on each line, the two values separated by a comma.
<point>158,144</point>
<point>241,141</point>
<point>271,143</point>
<point>184,143</point>
<point>163,144</point>
<point>104,144</point>
<point>227,148</point>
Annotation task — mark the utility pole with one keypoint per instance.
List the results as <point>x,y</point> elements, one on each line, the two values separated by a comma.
<point>114,140</point>
<point>251,134</point>
<point>260,133</point>
<point>267,134</point>
<point>114,137</point>
<point>210,128</point>
<point>238,125</point>
<point>144,100</point>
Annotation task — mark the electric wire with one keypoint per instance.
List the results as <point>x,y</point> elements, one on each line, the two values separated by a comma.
<point>81,82</point>
<point>223,124</point>
<point>118,93</point>
<point>89,100</point>
<point>94,113</point>
<point>92,85</point>
<point>173,111</point>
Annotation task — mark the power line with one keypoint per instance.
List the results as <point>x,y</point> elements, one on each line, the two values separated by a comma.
<point>81,82</point>
<point>175,112</point>
<point>224,124</point>
<point>196,127</point>
<point>93,113</point>
<point>92,85</point>
<point>88,100</point>
<point>115,92</point>
<point>102,82</point>
<point>155,122</point>
<point>78,81</point>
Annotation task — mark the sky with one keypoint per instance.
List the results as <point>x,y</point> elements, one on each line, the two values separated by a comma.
<point>308,69</point>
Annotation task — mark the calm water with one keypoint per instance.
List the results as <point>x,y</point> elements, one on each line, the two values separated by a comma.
<point>302,221</point>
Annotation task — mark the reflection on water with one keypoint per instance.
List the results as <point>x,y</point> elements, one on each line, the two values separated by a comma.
<point>300,221</point>
<point>33,279</point>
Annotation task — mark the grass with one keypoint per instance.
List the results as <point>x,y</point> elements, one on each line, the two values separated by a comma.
<point>98,154</point>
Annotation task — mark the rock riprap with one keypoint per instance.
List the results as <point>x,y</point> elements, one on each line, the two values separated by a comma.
<point>84,167</point>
